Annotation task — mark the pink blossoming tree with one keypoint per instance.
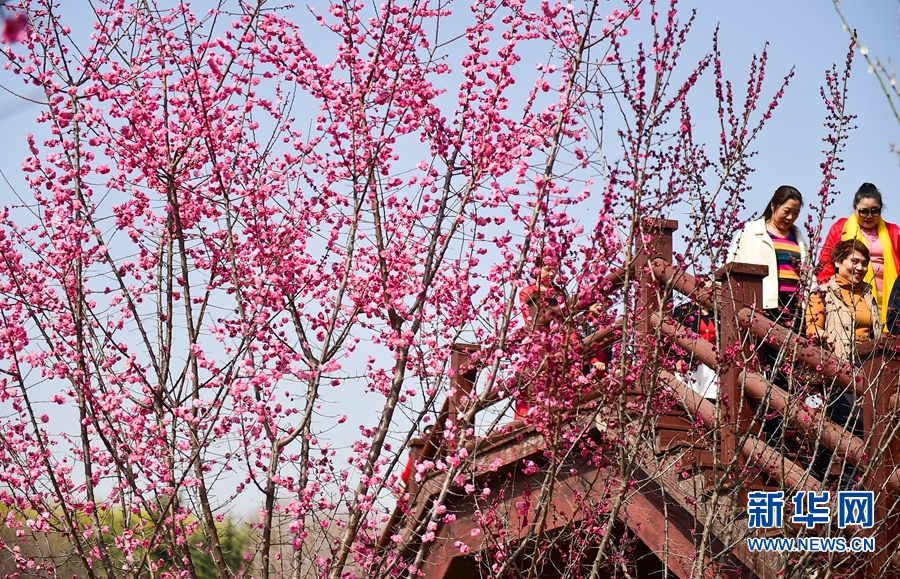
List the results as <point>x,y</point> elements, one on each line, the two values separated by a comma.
<point>235,225</point>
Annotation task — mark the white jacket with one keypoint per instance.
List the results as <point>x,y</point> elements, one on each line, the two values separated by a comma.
<point>753,245</point>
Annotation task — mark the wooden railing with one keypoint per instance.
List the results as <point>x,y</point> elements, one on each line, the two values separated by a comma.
<point>741,326</point>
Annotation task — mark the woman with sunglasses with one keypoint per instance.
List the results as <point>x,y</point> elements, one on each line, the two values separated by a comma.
<point>880,237</point>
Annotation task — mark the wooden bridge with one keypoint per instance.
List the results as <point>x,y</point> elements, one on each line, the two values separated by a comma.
<point>682,501</point>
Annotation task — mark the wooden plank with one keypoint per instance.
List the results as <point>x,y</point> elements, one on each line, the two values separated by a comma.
<point>666,528</point>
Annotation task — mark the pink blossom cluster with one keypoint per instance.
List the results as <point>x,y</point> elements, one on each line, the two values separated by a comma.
<point>237,224</point>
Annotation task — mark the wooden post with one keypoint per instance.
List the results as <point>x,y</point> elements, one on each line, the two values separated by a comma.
<point>463,374</point>
<point>881,372</point>
<point>654,240</point>
<point>416,455</point>
<point>741,287</point>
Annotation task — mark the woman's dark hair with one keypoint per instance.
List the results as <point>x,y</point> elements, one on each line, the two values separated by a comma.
<point>846,248</point>
<point>543,261</point>
<point>782,195</point>
<point>867,191</point>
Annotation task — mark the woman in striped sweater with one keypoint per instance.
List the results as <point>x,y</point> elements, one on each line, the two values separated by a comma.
<point>775,241</point>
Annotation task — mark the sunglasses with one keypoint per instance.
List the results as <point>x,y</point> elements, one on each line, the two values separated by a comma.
<point>869,212</point>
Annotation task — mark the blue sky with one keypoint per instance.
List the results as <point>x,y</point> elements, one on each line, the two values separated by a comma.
<point>809,36</point>
<point>805,34</point>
